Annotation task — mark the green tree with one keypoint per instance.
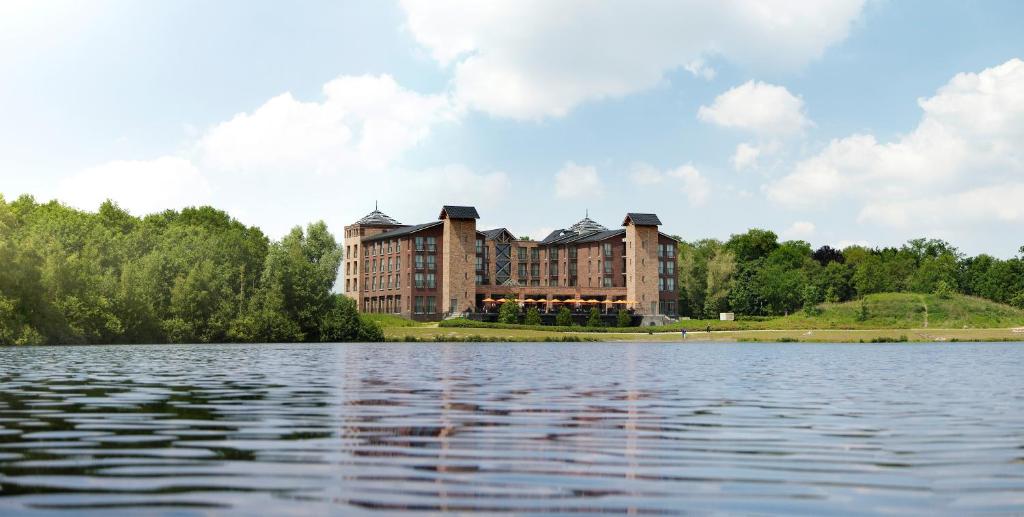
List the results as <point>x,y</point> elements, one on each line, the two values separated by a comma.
<point>594,320</point>
<point>509,312</point>
<point>563,318</point>
<point>624,319</point>
<point>532,317</point>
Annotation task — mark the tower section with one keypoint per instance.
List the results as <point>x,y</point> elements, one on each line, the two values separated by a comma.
<point>458,258</point>
<point>642,261</point>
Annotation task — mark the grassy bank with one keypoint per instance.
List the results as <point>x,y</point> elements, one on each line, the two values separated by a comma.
<point>889,317</point>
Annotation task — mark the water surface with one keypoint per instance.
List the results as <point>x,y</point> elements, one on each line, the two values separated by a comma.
<point>520,428</point>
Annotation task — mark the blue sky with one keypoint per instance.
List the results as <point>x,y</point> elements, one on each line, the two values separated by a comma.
<point>843,122</point>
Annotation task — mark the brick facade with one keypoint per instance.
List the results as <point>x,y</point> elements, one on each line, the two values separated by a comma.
<point>416,271</point>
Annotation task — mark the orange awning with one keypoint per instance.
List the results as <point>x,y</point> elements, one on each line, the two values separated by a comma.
<point>620,301</point>
<point>592,301</point>
<point>488,300</point>
<point>529,300</point>
<point>501,300</point>
<point>608,302</point>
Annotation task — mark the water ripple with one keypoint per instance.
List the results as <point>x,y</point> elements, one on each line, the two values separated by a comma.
<point>513,428</point>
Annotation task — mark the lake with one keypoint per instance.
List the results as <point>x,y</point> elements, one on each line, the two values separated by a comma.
<point>524,428</point>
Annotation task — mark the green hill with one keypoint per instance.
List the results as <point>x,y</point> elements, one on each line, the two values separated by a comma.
<point>907,310</point>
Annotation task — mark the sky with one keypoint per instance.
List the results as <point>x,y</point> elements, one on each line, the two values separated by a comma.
<point>843,122</point>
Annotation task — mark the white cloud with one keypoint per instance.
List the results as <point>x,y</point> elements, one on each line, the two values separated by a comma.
<point>799,230</point>
<point>578,182</point>
<point>745,156</point>
<point>761,108</point>
<point>139,186</point>
<point>688,179</point>
<point>363,122</point>
<point>843,244</point>
<point>533,59</point>
<point>962,164</point>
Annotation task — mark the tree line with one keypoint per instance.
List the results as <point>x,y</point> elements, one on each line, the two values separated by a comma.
<point>754,274</point>
<point>191,276</point>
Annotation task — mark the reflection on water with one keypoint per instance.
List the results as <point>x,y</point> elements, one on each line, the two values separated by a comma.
<point>524,428</point>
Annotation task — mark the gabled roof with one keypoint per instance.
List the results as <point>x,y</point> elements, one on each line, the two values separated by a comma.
<point>405,230</point>
<point>642,219</point>
<point>497,232</point>
<point>458,212</point>
<point>377,218</point>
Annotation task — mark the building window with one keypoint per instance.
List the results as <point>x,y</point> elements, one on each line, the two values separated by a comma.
<point>389,265</point>
<point>553,253</point>
<point>661,284</point>
<point>398,247</point>
<point>419,243</point>
<point>607,249</point>
<point>607,267</point>
<point>389,246</point>
<point>606,281</point>
<point>431,281</point>
<point>521,270</point>
<point>479,246</point>
<point>670,267</point>
<point>479,279</point>
<point>390,285</point>
<point>419,261</point>
<point>431,304</point>
<point>431,244</point>
<point>398,263</point>
<point>535,269</point>
<point>418,305</point>
<point>572,252</point>
<point>398,281</point>
<point>521,251</point>
<point>535,282</point>
<point>419,280</point>
<point>535,254</point>
<point>431,262</point>
<point>553,269</point>
<point>366,252</point>
<point>479,263</point>
<point>671,284</point>
<point>661,267</point>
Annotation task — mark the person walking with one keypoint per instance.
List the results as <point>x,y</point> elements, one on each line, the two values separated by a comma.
<point>684,333</point>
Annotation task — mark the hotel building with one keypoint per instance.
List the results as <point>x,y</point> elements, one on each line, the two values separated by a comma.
<point>431,270</point>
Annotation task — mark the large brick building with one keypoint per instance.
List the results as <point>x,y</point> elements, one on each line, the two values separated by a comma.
<point>430,270</point>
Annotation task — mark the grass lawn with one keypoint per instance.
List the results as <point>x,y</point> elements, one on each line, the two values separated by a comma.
<point>890,316</point>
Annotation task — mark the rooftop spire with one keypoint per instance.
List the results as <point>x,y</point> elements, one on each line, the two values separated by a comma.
<point>377,218</point>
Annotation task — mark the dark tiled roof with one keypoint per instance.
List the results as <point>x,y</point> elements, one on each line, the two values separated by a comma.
<point>405,230</point>
<point>459,212</point>
<point>569,236</point>
<point>587,225</point>
<point>495,233</point>
<point>377,218</point>
<point>642,219</point>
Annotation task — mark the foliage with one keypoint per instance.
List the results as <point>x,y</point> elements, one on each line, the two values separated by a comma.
<point>753,274</point>
<point>509,312</point>
<point>532,317</point>
<point>563,318</point>
<point>195,275</point>
<point>623,319</point>
<point>594,320</point>
<point>943,290</point>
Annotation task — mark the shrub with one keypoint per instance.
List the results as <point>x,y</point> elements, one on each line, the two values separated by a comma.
<point>595,318</point>
<point>509,312</point>
<point>863,314</point>
<point>564,318</point>
<point>532,317</point>
<point>943,290</point>
<point>624,319</point>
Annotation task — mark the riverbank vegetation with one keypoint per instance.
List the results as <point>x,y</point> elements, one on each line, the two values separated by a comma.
<point>753,274</point>
<point>195,275</point>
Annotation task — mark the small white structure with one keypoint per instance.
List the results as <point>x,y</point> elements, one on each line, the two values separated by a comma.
<point>726,316</point>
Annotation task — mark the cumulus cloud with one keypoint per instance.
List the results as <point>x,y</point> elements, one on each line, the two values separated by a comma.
<point>686,178</point>
<point>962,163</point>
<point>139,186</point>
<point>362,122</point>
<point>745,156</point>
<point>799,230</point>
<point>578,182</point>
<point>761,108</point>
<point>532,59</point>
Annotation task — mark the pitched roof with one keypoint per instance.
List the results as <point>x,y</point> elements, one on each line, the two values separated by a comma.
<point>405,230</point>
<point>459,212</point>
<point>495,233</point>
<point>377,218</point>
<point>586,225</point>
<point>568,236</point>
<point>642,219</point>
